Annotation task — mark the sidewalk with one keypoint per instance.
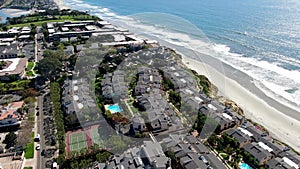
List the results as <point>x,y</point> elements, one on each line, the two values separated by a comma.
<point>33,161</point>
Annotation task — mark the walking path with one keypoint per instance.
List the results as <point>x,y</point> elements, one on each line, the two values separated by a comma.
<point>129,108</point>
<point>33,161</point>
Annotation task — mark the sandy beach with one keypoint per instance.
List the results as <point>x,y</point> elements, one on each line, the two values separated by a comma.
<point>15,12</point>
<point>280,125</point>
<point>60,4</point>
<point>282,122</point>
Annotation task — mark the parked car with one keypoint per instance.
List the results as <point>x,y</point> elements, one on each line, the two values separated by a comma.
<point>54,165</point>
<point>37,138</point>
<point>38,147</point>
<point>43,152</point>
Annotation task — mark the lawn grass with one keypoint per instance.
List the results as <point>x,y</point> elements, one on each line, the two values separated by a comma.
<point>27,167</point>
<point>38,21</point>
<point>30,65</point>
<point>16,85</point>
<point>31,117</point>
<point>29,150</point>
<point>134,109</point>
<point>30,73</point>
<point>223,155</point>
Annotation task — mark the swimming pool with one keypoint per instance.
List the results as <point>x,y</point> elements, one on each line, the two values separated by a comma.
<point>115,108</point>
<point>244,166</point>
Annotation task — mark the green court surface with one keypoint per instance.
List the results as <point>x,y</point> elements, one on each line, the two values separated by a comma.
<point>77,141</point>
<point>95,136</point>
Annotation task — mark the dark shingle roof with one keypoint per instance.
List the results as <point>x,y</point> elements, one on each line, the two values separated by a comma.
<point>258,153</point>
<point>238,135</point>
<point>214,161</point>
<point>277,163</point>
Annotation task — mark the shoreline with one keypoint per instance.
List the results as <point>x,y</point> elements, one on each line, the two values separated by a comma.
<point>281,121</point>
<point>61,5</point>
<point>279,125</point>
<point>11,12</point>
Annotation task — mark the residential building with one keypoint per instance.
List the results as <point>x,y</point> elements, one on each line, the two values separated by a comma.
<point>148,81</point>
<point>150,155</point>
<point>180,77</point>
<point>8,52</point>
<point>275,148</point>
<point>226,119</point>
<point>258,134</point>
<point>241,138</point>
<point>15,70</point>
<point>78,103</point>
<point>260,154</point>
<point>281,163</point>
<point>191,153</point>
<point>291,155</point>
<point>138,123</point>
<point>160,115</point>
<point>9,115</point>
<point>113,85</point>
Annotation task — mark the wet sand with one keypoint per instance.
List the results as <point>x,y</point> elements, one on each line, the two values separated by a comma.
<point>281,125</point>
<point>282,122</point>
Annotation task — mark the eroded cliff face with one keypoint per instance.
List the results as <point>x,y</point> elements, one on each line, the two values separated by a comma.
<point>234,106</point>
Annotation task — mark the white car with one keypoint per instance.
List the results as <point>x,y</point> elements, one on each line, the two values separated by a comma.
<point>38,147</point>
<point>37,138</point>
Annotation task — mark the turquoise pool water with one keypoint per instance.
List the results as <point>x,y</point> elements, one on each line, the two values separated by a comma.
<point>115,108</point>
<point>244,166</point>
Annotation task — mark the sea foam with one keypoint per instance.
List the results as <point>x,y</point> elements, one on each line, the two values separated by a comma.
<point>272,79</point>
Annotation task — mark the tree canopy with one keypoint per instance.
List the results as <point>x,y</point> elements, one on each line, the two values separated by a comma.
<point>10,140</point>
<point>49,67</point>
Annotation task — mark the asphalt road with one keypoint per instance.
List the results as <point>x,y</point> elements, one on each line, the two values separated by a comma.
<point>40,127</point>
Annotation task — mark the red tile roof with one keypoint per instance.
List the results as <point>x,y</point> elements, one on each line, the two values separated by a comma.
<point>7,113</point>
<point>16,105</point>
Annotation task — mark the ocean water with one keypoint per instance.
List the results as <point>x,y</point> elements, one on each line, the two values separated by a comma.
<point>259,38</point>
<point>2,16</point>
<point>4,13</point>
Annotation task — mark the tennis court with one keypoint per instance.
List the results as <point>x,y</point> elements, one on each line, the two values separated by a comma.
<point>77,141</point>
<point>95,136</point>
